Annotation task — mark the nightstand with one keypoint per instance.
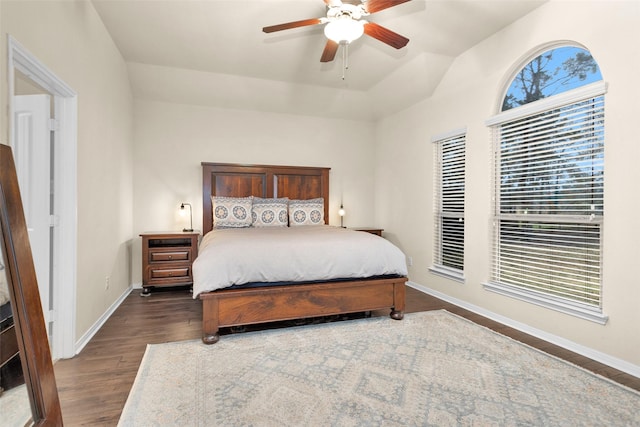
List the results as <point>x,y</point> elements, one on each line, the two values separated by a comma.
<point>167,258</point>
<point>376,231</point>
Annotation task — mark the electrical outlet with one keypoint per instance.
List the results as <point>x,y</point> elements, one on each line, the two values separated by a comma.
<point>106,283</point>
<point>410,261</point>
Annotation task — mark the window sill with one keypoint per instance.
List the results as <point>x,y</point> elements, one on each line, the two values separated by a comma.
<point>567,307</point>
<point>449,273</point>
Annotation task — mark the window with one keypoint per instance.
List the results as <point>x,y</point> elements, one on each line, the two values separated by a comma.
<point>449,175</point>
<point>549,180</point>
<point>551,73</point>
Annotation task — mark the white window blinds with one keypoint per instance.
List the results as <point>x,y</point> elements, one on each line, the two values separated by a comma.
<point>449,185</point>
<point>549,180</point>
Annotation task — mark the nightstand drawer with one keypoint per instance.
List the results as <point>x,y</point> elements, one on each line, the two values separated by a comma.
<point>164,273</point>
<point>167,256</point>
<point>8,344</point>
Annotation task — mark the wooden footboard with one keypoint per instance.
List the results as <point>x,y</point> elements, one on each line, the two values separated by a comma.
<point>235,307</point>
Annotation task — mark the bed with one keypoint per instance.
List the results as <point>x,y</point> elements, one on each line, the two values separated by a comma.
<point>238,304</point>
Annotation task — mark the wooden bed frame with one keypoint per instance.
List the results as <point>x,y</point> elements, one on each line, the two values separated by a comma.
<point>235,307</point>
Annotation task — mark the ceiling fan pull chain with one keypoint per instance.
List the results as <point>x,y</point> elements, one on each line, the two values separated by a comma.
<point>346,56</point>
<point>344,61</point>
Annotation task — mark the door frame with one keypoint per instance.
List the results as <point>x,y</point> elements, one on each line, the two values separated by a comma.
<point>65,191</point>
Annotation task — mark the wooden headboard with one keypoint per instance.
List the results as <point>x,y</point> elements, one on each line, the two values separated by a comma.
<point>237,180</point>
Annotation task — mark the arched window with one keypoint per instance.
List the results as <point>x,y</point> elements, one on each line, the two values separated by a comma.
<point>553,72</point>
<point>549,181</point>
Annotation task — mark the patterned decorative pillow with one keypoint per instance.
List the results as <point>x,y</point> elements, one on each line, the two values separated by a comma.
<point>234,212</point>
<point>269,212</point>
<point>306,212</point>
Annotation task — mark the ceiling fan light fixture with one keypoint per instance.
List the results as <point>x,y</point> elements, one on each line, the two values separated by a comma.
<point>344,30</point>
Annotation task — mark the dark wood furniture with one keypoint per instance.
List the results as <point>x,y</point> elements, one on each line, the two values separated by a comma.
<point>11,374</point>
<point>376,231</point>
<point>234,307</point>
<point>24,295</point>
<point>167,258</point>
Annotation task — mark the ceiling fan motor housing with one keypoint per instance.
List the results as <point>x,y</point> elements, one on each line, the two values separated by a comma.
<point>345,10</point>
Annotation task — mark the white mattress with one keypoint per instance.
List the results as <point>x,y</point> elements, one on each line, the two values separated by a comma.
<point>291,254</point>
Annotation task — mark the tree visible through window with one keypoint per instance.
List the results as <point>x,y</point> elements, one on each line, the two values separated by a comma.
<point>549,179</point>
<point>551,73</point>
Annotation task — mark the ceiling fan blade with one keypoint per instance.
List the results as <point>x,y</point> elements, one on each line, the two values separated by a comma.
<point>373,6</point>
<point>385,35</point>
<point>295,24</point>
<point>329,52</point>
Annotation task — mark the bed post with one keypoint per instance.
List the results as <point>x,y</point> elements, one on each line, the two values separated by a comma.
<point>397,311</point>
<point>210,322</point>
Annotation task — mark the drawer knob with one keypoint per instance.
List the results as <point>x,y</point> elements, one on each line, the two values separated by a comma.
<point>170,256</point>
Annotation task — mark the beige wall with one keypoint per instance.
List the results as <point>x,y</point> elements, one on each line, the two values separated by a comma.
<point>469,94</point>
<point>171,140</point>
<point>70,39</point>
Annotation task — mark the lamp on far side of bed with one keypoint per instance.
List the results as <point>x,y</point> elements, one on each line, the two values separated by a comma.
<point>341,212</point>
<point>182,212</point>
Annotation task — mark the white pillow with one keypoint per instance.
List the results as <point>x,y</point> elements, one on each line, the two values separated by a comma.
<point>269,212</point>
<point>306,212</point>
<point>234,212</point>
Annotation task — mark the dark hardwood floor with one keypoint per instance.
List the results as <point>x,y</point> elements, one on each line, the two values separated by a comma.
<point>94,385</point>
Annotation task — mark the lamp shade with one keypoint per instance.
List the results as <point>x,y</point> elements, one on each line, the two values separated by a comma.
<point>344,30</point>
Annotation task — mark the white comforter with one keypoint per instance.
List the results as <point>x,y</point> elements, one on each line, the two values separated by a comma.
<point>291,254</point>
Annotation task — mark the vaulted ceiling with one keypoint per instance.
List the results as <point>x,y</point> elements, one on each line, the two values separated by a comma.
<point>214,52</point>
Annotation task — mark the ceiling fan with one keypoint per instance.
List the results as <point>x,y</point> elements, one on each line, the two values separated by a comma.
<point>345,24</point>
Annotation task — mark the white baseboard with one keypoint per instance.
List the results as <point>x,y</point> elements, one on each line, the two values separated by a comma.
<point>598,356</point>
<point>84,340</point>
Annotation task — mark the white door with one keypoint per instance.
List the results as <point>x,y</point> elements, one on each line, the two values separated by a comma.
<point>32,152</point>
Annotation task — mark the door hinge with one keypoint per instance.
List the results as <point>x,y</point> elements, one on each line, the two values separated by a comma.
<point>54,124</point>
<point>53,316</point>
<point>54,220</point>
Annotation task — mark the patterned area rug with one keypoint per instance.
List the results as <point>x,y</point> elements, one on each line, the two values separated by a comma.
<point>432,368</point>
